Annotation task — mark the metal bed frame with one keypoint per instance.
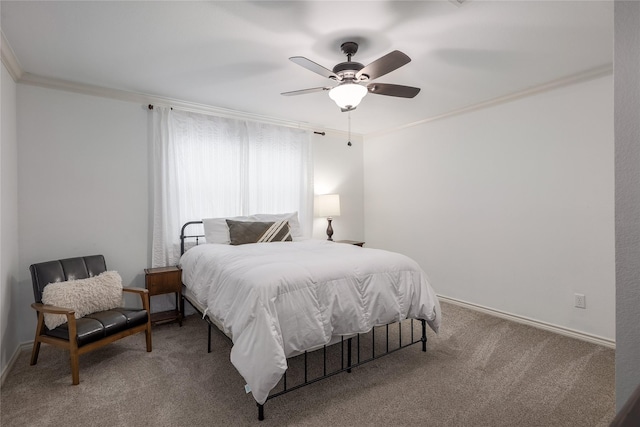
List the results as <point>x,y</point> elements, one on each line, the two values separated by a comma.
<point>345,365</point>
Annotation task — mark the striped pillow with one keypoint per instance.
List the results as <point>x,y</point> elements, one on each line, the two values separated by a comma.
<point>243,232</point>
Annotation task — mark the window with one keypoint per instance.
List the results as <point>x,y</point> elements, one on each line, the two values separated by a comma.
<point>207,166</point>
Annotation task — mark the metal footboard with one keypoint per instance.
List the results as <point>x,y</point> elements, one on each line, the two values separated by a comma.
<point>367,347</point>
<point>348,363</point>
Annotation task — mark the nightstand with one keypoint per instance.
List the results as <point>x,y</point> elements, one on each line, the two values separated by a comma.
<point>351,242</point>
<point>165,280</point>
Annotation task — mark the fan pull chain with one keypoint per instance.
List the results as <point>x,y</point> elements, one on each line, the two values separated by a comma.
<point>349,138</point>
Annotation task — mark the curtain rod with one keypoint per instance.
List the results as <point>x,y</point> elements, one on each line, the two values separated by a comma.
<point>150,106</point>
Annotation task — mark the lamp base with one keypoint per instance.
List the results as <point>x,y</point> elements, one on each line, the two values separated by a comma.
<point>329,229</point>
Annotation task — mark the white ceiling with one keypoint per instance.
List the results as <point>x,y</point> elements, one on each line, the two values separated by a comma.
<point>234,55</point>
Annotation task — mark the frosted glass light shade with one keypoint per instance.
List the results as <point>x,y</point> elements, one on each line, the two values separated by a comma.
<point>348,95</point>
<point>328,205</point>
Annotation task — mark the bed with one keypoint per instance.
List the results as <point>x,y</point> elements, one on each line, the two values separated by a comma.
<point>286,298</point>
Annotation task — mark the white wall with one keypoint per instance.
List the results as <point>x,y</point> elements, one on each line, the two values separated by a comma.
<point>509,207</point>
<point>83,179</point>
<point>9,307</point>
<point>338,170</point>
<point>84,185</point>
<point>627,131</point>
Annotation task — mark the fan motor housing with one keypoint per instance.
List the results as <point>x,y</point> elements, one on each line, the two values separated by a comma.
<point>348,70</point>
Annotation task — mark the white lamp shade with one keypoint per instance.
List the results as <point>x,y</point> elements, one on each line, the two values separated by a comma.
<point>348,95</point>
<point>328,205</point>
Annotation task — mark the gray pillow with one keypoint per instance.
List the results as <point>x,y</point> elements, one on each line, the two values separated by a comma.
<point>243,232</point>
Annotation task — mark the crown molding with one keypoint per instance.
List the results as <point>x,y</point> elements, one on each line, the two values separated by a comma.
<point>146,99</point>
<point>9,59</point>
<point>582,76</point>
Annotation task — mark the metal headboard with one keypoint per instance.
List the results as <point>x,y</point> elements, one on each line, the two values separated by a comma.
<point>184,236</point>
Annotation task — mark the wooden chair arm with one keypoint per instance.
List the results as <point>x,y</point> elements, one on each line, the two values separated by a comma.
<point>136,290</point>
<point>144,296</point>
<point>52,309</point>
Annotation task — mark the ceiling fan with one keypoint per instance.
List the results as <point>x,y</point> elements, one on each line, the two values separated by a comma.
<point>350,75</point>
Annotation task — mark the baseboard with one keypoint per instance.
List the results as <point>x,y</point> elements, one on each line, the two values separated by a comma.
<point>532,322</point>
<point>19,349</point>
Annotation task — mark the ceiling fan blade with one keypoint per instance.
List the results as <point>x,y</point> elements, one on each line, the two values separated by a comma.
<point>385,64</point>
<point>304,91</point>
<point>393,90</point>
<point>316,68</point>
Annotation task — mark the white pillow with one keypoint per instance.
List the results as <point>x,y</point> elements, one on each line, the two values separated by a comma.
<point>216,230</point>
<point>85,296</point>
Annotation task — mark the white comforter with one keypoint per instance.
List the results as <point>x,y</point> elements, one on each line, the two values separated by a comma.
<point>277,299</point>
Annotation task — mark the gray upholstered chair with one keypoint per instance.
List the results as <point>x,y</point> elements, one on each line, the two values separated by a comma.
<point>90,332</point>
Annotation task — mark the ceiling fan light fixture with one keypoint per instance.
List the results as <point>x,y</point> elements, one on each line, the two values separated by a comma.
<point>348,95</point>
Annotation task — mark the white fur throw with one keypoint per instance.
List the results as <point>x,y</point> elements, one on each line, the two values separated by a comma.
<point>85,296</point>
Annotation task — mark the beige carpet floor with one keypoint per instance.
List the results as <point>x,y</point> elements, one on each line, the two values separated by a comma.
<point>479,371</point>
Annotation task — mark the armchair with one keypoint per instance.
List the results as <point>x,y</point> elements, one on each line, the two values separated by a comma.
<point>90,332</point>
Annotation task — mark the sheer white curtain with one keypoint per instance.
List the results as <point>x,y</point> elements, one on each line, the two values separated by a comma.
<point>206,166</point>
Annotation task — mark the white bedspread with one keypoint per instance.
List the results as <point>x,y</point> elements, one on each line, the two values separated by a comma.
<point>277,299</point>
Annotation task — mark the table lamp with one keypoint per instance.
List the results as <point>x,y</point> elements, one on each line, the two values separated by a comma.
<point>329,206</point>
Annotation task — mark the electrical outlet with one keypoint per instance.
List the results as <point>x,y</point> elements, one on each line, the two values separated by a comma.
<point>581,301</point>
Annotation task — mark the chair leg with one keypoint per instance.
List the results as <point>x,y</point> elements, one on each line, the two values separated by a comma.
<point>75,366</point>
<point>35,351</point>
<point>73,349</point>
<point>148,336</point>
<point>36,340</point>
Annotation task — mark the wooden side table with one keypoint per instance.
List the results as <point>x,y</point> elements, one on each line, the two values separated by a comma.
<point>165,280</point>
<point>351,242</point>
